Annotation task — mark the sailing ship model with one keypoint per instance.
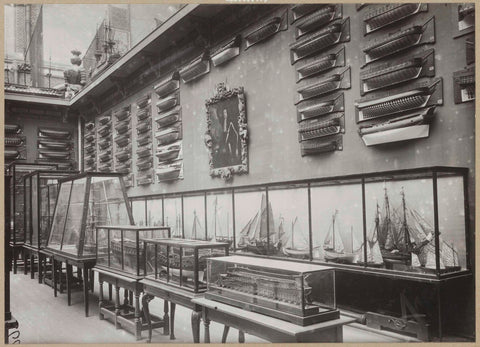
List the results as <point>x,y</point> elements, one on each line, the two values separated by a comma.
<point>302,252</point>
<point>218,236</point>
<point>339,250</point>
<point>196,222</point>
<point>254,236</point>
<point>374,254</point>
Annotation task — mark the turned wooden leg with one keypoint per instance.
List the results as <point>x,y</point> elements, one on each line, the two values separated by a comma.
<point>166,318</point>
<point>25,262</point>
<point>125,301</point>
<point>130,297</point>
<point>138,321</point>
<point>241,337</point>
<point>117,305</point>
<point>32,266</point>
<point>226,328</point>
<point>172,320</point>
<point>91,280</point>
<point>54,277</point>
<point>60,275</point>
<point>40,267</point>
<point>85,291</point>
<point>206,325</point>
<point>109,292</point>
<point>69,284</point>
<point>196,316</point>
<point>100,300</point>
<point>15,257</point>
<point>146,298</point>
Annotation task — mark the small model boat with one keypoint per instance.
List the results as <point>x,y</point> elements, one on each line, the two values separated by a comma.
<point>341,250</point>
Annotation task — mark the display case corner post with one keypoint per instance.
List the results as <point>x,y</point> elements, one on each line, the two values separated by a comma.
<point>122,250</point>
<point>84,215</point>
<point>195,269</point>
<point>310,229</point>
<point>364,216</point>
<point>137,237</point>
<point>435,221</point>
<point>466,205</point>
<point>128,202</point>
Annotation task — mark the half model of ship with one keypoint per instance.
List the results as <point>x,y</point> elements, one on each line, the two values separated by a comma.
<point>254,236</point>
<point>340,250</point>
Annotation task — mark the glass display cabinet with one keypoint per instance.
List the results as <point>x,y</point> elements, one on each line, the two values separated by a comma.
<point>84,201</point>
<point>181,262</point>
<point>120,249</point>
<point>41,190</point>
<point>300,293</point>
<point>17,201</point>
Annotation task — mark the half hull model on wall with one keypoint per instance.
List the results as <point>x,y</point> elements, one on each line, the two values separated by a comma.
<point>15,143</point>
<point>144,140</point>
<point>56,145</point>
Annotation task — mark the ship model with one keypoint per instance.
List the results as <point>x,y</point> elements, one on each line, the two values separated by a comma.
<point>374,254</point>
<point>218,235</point>
<point>254,236</point>
<point>339,250</point>
<point>295,250</point>
<point>129,253</point>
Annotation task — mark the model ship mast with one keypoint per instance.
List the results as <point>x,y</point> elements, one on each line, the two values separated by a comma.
<point>340,251</point>
<point>194,227</point>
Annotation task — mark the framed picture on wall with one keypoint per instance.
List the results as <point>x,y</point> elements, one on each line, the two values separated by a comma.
<point>226,136</point>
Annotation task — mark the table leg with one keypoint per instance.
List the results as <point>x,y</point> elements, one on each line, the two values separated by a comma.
<point>69,284</point>
<point>206,325</point>
<point>100,300</point>
<point>196,316</point>
<point>226,328</point>
<point>172,320</point>
<point>32,266</point>
<point>15,256</point>
<point>138,322</point>
<point>110,292</point>
<point>92,280</point>
<point>130,297</point>
<point>40,267</point>
<point>117,304</point>
<point>146,298</point>
<point>25,262</point>
<point>54,277</point>
<point>125,301</point>
<point>85,290</point>
<point>60,275</point>
<point>166,318</point>
<point>241,337</point>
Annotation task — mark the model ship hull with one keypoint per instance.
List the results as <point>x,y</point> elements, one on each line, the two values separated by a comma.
<point>296,253</point>
<point>396,257</point>
<point>339,257</point>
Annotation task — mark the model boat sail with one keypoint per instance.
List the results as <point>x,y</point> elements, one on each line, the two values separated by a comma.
<point>218,235</point>
<point>374,254</point>
<point>339,250</point>
<point>298,248</point>
<point>197,231</point>
<point>254,236</point>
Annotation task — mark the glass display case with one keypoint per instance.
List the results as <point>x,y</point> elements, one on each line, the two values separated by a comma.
<point>288,217</point>
<point>194,227</point>
<point>181,262</point>
<point>139,211</point>
<point>173,215</point>
<point>84,201</point>
<point>17,199</point>
<point>300,293</point>
<point>41,190</point>
<point>120,249</point>
<point>220,217</point>
<point>155,212</point>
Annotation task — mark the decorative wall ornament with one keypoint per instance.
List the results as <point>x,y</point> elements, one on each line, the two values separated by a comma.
<point>227,135</point>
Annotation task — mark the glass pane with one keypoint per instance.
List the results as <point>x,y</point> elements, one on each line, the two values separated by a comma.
<point>19,230</point>
<point>251,221</point>
<point>45,218</point>
<point>115,249</point>
<point>400,215</point>
<point>194,217</point>
<point>219,217</point>
<point>130,251</point>
<point>138,210</point>
<point>154,212</point>
<point>60,215</point>
<point>102,256</point>
<point>73,226</point>
<point>288,219</point>
<point>34,210</point>
<point>451,223</point>
<point>173,215</point>
<point>337,223</point>
<point>28,211</point>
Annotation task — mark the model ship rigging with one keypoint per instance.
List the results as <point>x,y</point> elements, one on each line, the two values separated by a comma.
<point>218,236</point>
<point>296,251</point>
<point>374,254</point>
<point>255,238</point>
<point>339,250</point>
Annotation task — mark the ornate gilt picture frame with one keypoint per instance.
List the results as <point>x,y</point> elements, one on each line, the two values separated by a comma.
<point>226,136</point>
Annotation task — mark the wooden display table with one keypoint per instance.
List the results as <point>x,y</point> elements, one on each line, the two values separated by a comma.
<point>17,250</point>
<point>126,315</point>
<point>84,264</point>
<point>268,328</point>
<point>174,295</point>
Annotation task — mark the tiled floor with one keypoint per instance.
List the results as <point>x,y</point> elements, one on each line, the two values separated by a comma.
<point>46,319</point>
